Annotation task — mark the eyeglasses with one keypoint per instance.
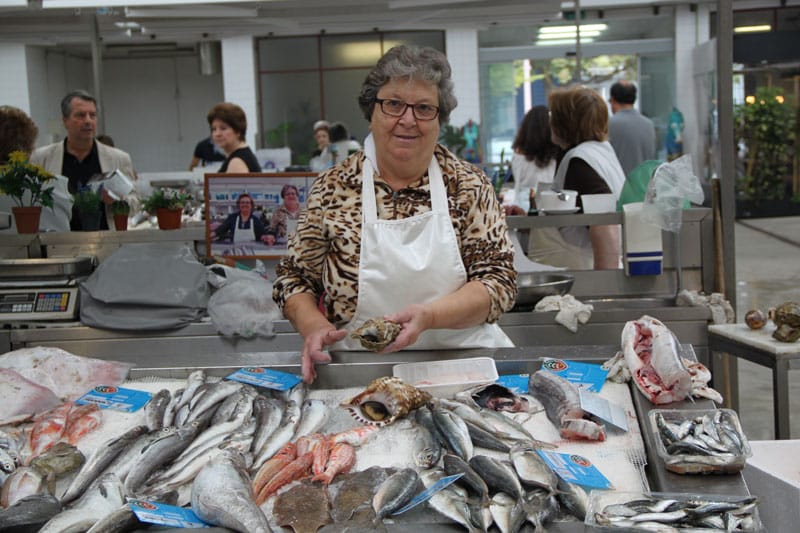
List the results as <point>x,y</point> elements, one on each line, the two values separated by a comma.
<point>396,108</point>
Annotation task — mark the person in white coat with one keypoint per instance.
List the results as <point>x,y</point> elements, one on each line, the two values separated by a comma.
<point>401,230</point>
<point>80,157</point>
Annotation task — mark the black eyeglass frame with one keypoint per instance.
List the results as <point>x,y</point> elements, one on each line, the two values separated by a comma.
<point>406,105</point>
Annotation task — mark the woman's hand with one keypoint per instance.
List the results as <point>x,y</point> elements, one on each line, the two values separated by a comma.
<point>313,353</point>
<point>514,210</point>
<point>415,319</point>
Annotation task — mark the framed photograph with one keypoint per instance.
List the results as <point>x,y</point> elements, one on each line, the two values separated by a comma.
<point>252,215</point>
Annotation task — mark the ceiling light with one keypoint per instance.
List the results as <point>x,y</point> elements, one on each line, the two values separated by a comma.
<point>568,35</point>
<point>752,29</point>
<point>573,28</point>
<point>563,41</point>
<point>61,4</point>
<point>13,3</point>
<point>127,25</point>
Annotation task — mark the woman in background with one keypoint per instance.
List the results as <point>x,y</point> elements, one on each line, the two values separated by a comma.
<point>228,125</point>
<point>534,161</point>
<point>242,226</point>
<point>284,219</point>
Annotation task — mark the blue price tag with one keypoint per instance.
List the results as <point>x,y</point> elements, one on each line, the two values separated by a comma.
<point>165,515</point>
<point>588,376</point>
<point>517,383</point>
<point>265,377</point>
<point>575,469</point>
<point>427,493</point>
<point>116,398</point>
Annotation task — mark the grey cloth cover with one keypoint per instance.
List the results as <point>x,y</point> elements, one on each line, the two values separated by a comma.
<point>145,286</point>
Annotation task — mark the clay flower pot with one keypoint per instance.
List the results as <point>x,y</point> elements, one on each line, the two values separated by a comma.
<point>169,218</point>
<point>27,218</point>
<point>121,222</point>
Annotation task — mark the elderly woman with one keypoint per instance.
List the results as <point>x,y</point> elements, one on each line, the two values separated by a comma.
<point>402,230</point>
<point>228,125</point>
<point>579,124</point>
<point>242,226</point>
<point>284,219</point>
<point>18,133</point>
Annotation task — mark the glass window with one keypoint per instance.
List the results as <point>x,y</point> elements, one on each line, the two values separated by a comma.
<point>434,39</point>
<point>343,51</point>
<point>287,53</point>
<point>340,98</point>
<point>289,108</point>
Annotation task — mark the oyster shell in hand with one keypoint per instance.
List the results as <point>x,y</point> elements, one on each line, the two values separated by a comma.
<point>385,400</point>
<point>377,333</point>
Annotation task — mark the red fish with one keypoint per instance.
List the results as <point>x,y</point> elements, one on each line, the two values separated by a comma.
<point>47,429</point>
<point>273,465</point>
<point>295,470</point>
<point>341,460</point>
<point>81,420</point>
<point>356,436</point>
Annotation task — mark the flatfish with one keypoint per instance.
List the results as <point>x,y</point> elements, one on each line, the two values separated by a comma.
<point>356,491</point>
<point>305,508</point>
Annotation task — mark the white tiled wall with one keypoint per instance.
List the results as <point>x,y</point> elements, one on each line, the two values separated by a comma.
<point>462,52</point>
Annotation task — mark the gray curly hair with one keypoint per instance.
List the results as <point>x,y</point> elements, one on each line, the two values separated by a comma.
<point>413,62</point>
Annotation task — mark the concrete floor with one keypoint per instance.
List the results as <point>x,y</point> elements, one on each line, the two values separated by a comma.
<point>767,274</point>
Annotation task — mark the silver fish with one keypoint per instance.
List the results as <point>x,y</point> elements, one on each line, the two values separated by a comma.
<point>22,482</point>
<point>498,476</point>
<point>455,432</point>
<point>531,468</point>
<point>213,396</point>
<point>485,439</point>
<point>540,507</point>
<point>193,383</point>
<point>239,402</point>
<point>313,414</point>
<point>155,408</point>
<point>122,464</point>
<point>427,450</point>
<point>33,509</point>
<point>281,436</point>
<point>573,498</point>
<point>222,495</point>
<point>171,409</point>
<point>7,462</point>
<point>158,453</point>
<point>102,498</point>
<point>508,513</point>
<point>470,479</point>
<point>562,404</point>
<point>396,491</point>
<point>123,519</point>
<point>268,413</point>
<point>450,502</point>
<point>472,415</point>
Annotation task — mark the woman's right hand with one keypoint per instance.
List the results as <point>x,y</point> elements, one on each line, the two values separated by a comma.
<point>313,353</point>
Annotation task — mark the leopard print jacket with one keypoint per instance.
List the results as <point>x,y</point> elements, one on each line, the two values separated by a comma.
<point>323,252</point>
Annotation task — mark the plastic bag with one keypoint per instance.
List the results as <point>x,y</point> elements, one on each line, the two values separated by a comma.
<point>220,275</point>
<point>244,307</point>
<point>672,183</point>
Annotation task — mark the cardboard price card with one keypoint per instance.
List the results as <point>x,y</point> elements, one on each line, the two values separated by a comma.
<point>165,515</point>
<point>116,398</point>
<point>265,377</point>
<point>575,468</point>
<point>585,375</point>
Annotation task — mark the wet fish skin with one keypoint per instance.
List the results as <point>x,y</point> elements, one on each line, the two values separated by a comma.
<point>222,495</point>
<point>102,498</point>
<point>100,459</point>
<point>394,492</point>
<point>449,502</point>
<point>531,468</point>
<point>284,434</point>
<point>455,432</point>
<point>214,395</point>
<point>235,405</point>
<point>155,409</point>
<point>427,450</point>
<point>61,459</point>
<point>33,509</point>
<point>293,471</point>
<point>171,408</point>
<point>268,413</point>
<point>193,383</point>
<point>304,507</point>
<point>342,458</point>
<point>356,492</point>
<point>22,482</point>
<point>573,498</point>
<point>484,439</point>
<point>540,508</point>
<point>471,480</point>
<point>508,513</point>
<point>312,415</point>
<point>158,453</point>
<point>498,476</point>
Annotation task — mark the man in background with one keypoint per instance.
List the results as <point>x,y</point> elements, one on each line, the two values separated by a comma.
<point>632,135</point>
<point>80,157</point>
<point>206,152</point>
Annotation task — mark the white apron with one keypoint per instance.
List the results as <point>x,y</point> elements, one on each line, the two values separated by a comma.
<point>244,235</point>
<point>413,260</point>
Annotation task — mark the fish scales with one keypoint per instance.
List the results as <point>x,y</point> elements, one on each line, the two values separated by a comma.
<point>33,509</point>
<point>470,480</point>
<point>305,508</point>
<point>455,432</point>
<point>498,476</point>
<point>155,409</point>
<point>396,491</point>
<point>102,498</point>
<point>157,454</point>
<point>356,492</point>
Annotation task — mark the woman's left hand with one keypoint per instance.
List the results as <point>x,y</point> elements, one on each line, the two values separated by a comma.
<point>415,319</point>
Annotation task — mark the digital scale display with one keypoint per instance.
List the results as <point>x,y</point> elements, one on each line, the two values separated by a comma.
<point>35,304</point>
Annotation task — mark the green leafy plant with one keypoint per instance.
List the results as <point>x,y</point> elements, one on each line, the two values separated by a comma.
<point>87,201</point>
<point>453,139</point>
<point>165,199</point>
<point>19,176</point>
<point>766,128</point>
<point>120,207</point>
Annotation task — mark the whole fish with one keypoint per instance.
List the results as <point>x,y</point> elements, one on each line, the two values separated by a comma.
<point>30,510</point>
<point>273,465</point>
<point>102,498</point>
<point>470,479</point>
<point>340,461</point>
<point>155,409</point>
<point>61,459</point>
<point>573,498</point>
<point>212,397</point>
<point>450,502</point>
<point>214,435</point>
<point>485,439</point>
<point>23,482</point>
<point>123,519</point>
<point>100,459</point>
<point>238,404</point>
<point>222,495</point>
<point>158,453</point>
<point>82,419</point>
<point>356,492</point>
<point>540,508</point>
<point>472,415</point>
<point>508,513</point>
<point>124,462</point>
<point>455,432</point>
<point>193,382</point>
<point>268,413</point>
<point>47,429</point>
<point>498,476</point>
<point>320,446</point>
<point>531,468</point>
<point>8,463</point>
<point>295,470</point>
<point>297,394</point>
<point>355,436</point>
<point>312,415</point>
<point>304,508</point>
<point>284,434</point>
<point>427,450</point>
<point>396,491</point>
<point>170,409</point>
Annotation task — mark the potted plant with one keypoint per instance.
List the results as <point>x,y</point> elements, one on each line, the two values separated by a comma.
<point>26,184</point>
<point>120,209</point>
<point>167,206</point>
<point>89,205</point>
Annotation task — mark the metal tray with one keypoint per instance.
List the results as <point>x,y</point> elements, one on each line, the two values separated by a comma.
<point>53,267</point>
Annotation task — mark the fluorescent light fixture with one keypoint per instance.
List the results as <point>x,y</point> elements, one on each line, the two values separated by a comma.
<point>567,35</point>
<point>563,41</point>
<point>573,28</point>
<point>752,29</point>
<point>13,3</point>
<point>127,25</point>
<point>400,4</point>
<point>194,12</point>
<point>61,4</point>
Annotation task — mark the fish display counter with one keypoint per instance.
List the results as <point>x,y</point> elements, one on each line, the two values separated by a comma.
<point>626,458</point>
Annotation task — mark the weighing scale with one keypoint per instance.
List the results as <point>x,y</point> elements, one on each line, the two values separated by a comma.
<point>42,289</point>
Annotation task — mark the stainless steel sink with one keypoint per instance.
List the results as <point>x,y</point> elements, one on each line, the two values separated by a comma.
<point>630,303</point>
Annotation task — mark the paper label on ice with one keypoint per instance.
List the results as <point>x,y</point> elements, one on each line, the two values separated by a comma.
<point>584,375</point>
<point>517,383</point>
<point>575,468</point>
<point>265,377</point>
<point>603,409</point>
<point>165,515</point>
<point>426,494</point>
<point>116,398</point>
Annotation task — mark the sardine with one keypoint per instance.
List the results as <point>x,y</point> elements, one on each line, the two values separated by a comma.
<point>455,432</point>
<point>396,491</point>
<point>222,495</point>
<point>157,454</point>
<point>100,459</point>
<point>155,408</point>
<point>498,476</point>
<point>102,498</point>
<point>30,510</point>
